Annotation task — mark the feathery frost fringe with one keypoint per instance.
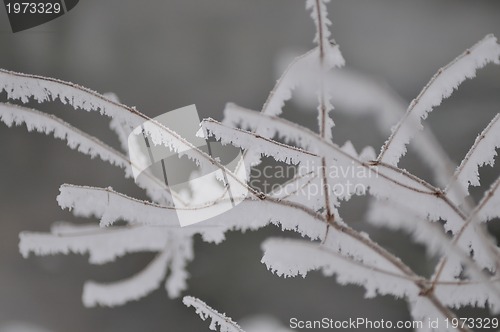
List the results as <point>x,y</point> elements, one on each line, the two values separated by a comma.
<point>319,15</point>
<point>441,86</point>
<point>111,206</point>
<point>269,126</point>
<point>102,245</point>
<point>82,142</point>
<point>289,258</point>
<point>107,205</point>
<point>49,124</point>
<point>218,322</point>
<point>482,153</point>
<point>24,87</point>
<point>246,140</point>
<point>487,209</point>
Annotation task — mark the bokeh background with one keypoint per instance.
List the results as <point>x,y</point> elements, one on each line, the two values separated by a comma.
<point>161,55</point>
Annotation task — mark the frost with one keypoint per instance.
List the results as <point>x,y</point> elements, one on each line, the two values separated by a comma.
<point>235,115</point>
<point>290,258</point>
<point>440,87</point>
<point>218,322</point>
<point>102,245</point>
<point>24,87</point>
<point>308,203</point>
<point>49,124</point>
<point>111,206</point>
<point>244,139</point>
<point>482,153</point>
<point>80,141</point>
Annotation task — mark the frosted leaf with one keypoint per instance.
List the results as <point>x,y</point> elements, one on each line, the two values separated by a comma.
<point>24,87</point>
<point>247,140</point>
<point>319,15</point>
<point>82,142</point>
<point>290,258</point>
<point>465,293</point>
<point>440,87</point>
<point>102,245</point>
<point>49,124</point>
<point>111,206</point>
<point>487,208</point>
<point>482,152</point>
<point>133,288</point>
<point>218,321</point>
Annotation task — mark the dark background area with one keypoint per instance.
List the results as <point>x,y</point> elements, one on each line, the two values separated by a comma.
<point>162,55</point>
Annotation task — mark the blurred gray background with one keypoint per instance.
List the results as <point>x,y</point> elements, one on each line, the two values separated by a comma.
<point>161,55</point>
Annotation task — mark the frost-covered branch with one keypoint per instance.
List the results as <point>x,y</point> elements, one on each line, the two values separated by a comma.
<point>83,143</point>
<point>245,140</point>
<point>218,321</point>
<point>482,152</point>
<point>102,245</point>
<point>441,86</point>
